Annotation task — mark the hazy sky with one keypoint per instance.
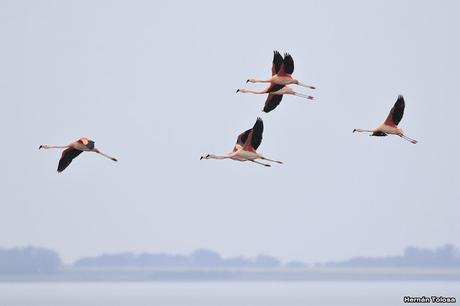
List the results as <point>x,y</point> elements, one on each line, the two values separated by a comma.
<point>153,83</point>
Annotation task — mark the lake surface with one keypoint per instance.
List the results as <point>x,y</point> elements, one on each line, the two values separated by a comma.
<point>221,293</point>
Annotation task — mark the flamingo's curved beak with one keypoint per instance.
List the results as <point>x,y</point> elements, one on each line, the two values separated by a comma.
<point>247,81</point>
<point>237,90</point>
<point>354,130</point>
<point>40,147</point>
<point>201,157</point>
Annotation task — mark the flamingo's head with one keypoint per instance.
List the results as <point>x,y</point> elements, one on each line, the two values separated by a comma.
<point>207,156</point>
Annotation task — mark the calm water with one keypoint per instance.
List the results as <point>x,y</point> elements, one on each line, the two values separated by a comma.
<point>220,294</point>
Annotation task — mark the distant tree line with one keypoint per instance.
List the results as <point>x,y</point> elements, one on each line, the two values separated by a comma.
<point>32,260</point>
<point>199,259</point>
<point>29,260</point>
<point>445,256</point>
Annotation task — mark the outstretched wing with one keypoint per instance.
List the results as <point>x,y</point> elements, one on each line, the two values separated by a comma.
<point>288,64</point>
<point>255,135</point>
<point>66,158</point>
<point>396,112</point>
<point>272,102</point>
<point>257,131</point>
<point>274,87</point>
<point>277,62</point>
<point>243,137</point>
<point>379,133</point>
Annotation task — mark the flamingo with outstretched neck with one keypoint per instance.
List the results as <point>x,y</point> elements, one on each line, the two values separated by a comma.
<point>246,146</point>
<point>282,69</point>
<point>278,82</point>
<point>275,95</point>
<point>74,149</point>
<point>390,126</point>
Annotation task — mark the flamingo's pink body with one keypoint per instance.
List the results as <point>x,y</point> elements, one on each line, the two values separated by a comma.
<point>282,69</point>
<point>246,146</point>
<point>74,149</point>
<point>390,126</point>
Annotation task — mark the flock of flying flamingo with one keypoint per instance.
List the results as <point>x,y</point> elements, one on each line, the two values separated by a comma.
<point>249,141</point>
<point>282,68</point>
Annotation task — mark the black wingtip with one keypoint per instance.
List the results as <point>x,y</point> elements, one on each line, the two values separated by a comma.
<point>247,81</point>
<point>400,99</point>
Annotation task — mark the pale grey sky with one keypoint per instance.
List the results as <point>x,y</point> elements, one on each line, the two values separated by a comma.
<point>153,83</point>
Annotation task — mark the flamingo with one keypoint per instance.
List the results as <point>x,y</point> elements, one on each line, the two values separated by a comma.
<point>282,69</point>
<point>277,87</point>
<point>390,126</point>
<point>275,94</point>
<point>246,146</point>
<point>74,149</point>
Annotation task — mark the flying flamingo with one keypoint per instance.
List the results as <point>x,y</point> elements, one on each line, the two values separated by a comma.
<point>277,90</point>
<point>246,146</point>
<point>74,149</point>
<point>282,69</point>
<point>275,94</point>
<point>390,126</point>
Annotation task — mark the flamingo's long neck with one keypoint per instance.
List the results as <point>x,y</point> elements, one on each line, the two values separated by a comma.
<point>54,146</point>
<point>253,91</point>
<point>363,131</point>
<point>218,156</point>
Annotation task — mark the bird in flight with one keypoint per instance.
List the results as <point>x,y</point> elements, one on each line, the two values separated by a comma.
<point>390,126</point>
<point>281,76</point>
<point>246,146</point>
<point>74,149</point>
<point>282,69</point>
<point>275,95</point>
